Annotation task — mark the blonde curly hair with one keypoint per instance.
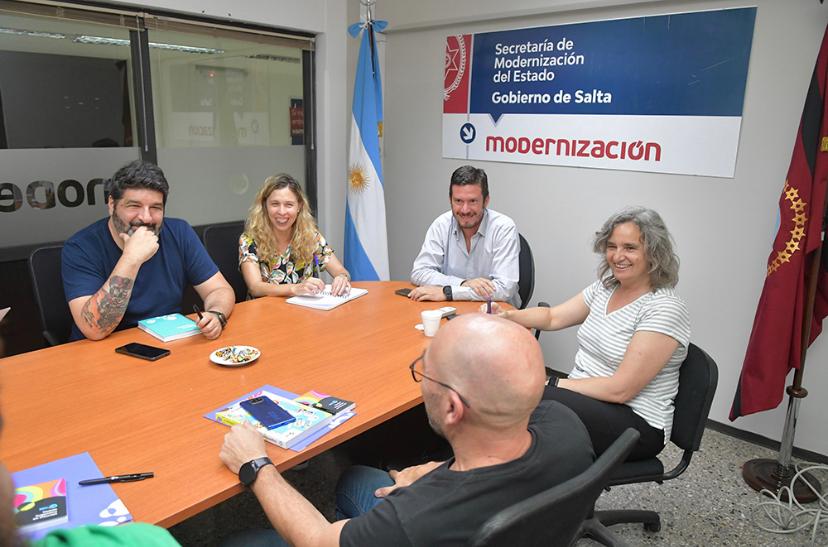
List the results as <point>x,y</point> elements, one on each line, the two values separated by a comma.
<point>258,227</point>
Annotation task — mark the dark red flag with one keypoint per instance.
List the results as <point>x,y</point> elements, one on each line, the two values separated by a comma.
<point>775,345</point>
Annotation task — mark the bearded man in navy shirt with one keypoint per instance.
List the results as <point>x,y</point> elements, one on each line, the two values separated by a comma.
<point>136,264</point>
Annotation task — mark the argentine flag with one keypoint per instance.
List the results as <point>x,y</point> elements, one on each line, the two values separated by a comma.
<point>366,240</point>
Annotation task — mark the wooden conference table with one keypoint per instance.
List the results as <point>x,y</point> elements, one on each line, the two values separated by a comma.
<point>135,416</point>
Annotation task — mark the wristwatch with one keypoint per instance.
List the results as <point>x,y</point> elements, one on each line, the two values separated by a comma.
<point>222,319</point>
<point>250,470</point>
<point>447,292</point>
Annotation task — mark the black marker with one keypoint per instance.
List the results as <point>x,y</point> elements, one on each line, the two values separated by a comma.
<point>117,478</point>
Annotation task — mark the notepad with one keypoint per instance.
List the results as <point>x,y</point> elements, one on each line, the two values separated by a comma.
<point>325,300</point>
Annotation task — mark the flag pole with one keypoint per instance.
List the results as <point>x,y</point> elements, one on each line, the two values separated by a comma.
<point>768,474</point>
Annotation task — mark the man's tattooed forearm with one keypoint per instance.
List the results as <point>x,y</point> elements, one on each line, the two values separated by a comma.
<point>111,302</point>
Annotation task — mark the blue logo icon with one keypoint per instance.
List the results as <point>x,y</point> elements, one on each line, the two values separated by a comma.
<point>467,133</point>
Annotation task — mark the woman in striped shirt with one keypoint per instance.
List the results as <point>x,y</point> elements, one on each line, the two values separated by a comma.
<point>633,336</point>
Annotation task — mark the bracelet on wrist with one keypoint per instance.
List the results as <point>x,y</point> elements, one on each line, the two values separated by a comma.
<point>221,317</point>
<point>346,275</point>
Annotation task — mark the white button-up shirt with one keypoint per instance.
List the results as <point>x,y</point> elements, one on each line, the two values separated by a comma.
<point>494,254</point>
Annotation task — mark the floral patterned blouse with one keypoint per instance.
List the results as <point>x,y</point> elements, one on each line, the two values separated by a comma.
<point>283,270</point>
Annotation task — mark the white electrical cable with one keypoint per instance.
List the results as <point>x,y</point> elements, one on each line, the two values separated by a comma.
<point>791,516</point>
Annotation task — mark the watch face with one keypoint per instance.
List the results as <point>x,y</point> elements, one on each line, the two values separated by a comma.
<point>250,470</point>
<point>247,474</point>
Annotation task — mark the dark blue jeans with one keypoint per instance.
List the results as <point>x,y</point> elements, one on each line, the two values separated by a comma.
<point>354,496</point>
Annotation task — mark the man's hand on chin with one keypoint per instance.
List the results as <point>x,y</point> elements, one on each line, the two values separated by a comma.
<point>141,245</point>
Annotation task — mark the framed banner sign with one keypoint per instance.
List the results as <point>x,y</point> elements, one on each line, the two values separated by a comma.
<point>661,94</point>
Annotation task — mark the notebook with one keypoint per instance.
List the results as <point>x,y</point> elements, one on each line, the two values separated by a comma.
<point>325,300</point>
<point>40,506</point>
<point>169,327</point>
<point>96,504</point>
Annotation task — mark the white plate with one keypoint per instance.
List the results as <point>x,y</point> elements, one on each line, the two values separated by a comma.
<point>223,356</point>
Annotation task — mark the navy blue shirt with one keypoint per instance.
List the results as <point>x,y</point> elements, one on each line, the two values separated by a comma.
<point>90,255</point>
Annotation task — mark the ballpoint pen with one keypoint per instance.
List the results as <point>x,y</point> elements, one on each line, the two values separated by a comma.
<point>198,312</point>
<point>118,478</point>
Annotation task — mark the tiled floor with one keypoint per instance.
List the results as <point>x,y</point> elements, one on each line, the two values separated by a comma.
<point>708,505</point>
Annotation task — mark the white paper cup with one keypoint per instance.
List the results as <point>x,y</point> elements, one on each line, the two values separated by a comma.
<point>431,321</point>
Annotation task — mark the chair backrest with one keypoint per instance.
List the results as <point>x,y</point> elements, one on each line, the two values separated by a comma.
<point>555,516</point>
<point>698,378</point>
<point>222,243</point>
<point>47,283</point>
<point>526,283</point>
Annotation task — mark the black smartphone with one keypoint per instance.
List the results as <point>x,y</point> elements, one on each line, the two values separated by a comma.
<point>403,292</point>
<point>267,412</point>
<point>143,351</point>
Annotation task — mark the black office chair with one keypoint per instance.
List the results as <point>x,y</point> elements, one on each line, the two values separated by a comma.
<point>47,283</point>
<point>698,378</point>
<point>526,283</point>
<point>222,243</point>
<point>554,516</point>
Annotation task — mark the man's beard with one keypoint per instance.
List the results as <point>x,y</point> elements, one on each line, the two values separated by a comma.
<point>123,228</point>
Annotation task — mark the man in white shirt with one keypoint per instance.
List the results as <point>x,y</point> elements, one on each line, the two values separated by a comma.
<point>470,252</point>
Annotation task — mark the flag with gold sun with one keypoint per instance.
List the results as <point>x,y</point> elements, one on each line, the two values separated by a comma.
<point>366,244</point>
<point>776,344</point>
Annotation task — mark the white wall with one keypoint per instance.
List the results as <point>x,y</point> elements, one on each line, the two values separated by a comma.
<point>723,227</point>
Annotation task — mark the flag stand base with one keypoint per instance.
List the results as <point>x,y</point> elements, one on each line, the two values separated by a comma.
<point>768,474</point>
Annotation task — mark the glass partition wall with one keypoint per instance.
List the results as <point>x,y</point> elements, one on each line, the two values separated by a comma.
<point>223,118</point>
<point>83,92</point>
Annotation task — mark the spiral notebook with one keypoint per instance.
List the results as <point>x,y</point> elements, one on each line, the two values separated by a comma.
<point>325,300</point>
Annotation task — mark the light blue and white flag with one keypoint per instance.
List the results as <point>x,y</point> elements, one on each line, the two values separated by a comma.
<point>366,239</point>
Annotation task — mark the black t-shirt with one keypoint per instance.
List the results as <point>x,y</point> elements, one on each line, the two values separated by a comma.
<point>447,507</point>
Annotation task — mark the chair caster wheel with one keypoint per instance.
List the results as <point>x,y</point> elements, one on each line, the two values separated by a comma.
<point>652,526</point>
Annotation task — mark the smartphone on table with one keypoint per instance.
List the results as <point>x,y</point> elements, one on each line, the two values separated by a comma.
<point>403,292</point>
<point>143,351</point>
<point>267,412</point>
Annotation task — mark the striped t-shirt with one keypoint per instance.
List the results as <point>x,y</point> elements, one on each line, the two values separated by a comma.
<point>603,339</point>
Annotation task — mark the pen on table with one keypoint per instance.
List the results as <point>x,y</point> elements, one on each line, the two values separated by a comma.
<point>118,478</point>
<point>198,312</point>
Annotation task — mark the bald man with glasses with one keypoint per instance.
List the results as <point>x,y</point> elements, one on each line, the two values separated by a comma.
<point>482,379</point>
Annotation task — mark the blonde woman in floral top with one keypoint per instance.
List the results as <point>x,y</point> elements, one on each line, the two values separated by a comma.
<point>281,251</point>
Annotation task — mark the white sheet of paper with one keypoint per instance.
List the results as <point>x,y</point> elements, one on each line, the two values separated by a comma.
<point>3,313</point>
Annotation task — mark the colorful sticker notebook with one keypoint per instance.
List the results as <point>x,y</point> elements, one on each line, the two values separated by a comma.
<point>96,504</point>
<point>306,441</point>
<point>40,506</point>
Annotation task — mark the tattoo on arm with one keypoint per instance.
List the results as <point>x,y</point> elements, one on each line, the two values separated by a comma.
<point>106,307</point>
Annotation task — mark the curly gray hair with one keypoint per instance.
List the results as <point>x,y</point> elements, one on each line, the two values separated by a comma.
<point>663,264</point>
